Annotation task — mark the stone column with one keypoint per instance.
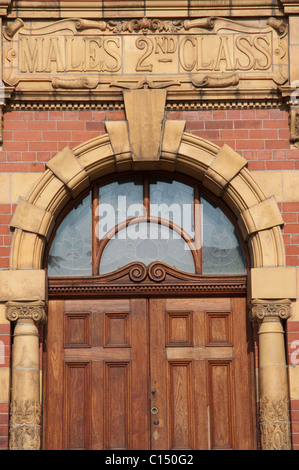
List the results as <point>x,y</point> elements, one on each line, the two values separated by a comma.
<point>25,396</point>
<point>273,377</point>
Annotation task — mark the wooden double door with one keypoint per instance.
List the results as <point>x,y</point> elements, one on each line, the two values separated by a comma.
<point>158,373</point>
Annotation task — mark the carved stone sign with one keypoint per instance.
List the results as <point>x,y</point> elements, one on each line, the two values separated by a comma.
<point>88,55</point>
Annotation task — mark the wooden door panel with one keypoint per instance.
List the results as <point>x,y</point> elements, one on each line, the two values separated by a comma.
<point>180,405</point>
<point>148,374</point>
<point>77,405</point>
<point>117,405</point>
<point>97,397</point>
<point>221,404</point>
<point>207,366</point>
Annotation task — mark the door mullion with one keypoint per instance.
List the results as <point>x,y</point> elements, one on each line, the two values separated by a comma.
<point>158,375</point>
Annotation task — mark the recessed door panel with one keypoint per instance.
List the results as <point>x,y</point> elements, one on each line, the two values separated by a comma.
<point>98,378</point>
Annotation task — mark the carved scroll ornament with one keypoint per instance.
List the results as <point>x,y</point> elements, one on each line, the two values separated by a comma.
<point>217,82</point>
<point>145,25</point>
<point>79,83</point>
<point>263,309</point>
<point>26,310</point>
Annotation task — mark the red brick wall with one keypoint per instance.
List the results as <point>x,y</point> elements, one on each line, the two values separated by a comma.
<point>31,138</point>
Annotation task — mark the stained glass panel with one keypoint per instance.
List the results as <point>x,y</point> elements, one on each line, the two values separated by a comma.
<point>70,253</point>
<point>173,200</point>
<point>222,251</point>
<point>119,201</point>
<point>146,242</point>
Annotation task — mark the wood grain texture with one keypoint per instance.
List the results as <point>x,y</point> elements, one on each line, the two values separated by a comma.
<point>158,373</point>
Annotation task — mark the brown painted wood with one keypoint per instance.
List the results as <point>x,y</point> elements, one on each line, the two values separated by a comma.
<point>203,391</point>
<point>96,395</point>
<point>110,364</point>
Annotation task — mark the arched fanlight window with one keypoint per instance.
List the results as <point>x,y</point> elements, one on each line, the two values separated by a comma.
<point>146,218</point>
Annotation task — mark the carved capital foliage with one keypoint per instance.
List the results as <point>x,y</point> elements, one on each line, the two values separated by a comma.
<point>275,425</point>
<point>263,309</point>
<point>25,425</point>
<point>26,310</point>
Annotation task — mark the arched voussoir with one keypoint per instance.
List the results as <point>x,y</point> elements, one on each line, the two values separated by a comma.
<point>219,169</point>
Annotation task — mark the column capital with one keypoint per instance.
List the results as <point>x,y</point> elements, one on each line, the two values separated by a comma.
<point>35,311</point>
<point>261,309</point>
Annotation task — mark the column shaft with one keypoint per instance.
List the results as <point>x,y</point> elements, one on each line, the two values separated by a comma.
<point>273,379</point>
<point>25,397</point>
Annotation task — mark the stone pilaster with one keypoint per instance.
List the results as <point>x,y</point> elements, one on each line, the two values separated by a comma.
<point>273,382</point>
<point>25,397</point>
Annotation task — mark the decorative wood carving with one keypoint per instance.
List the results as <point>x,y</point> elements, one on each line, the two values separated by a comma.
<point>137,279</point>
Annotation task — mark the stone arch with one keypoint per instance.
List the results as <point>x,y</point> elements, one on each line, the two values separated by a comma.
<point>221,170</point>
<point>146,140</point>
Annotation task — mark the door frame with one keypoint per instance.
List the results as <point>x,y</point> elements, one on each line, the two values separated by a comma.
<point>235,286</point>
<point>224,173</point>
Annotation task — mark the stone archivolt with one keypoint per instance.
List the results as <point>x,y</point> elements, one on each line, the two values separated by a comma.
<point>221,170</point>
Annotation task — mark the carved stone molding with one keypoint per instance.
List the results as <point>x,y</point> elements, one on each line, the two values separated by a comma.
<point>294,124</point>
<point>145,25</point>
<point>43,61</point>
<point>134,8</point>
<point>217,82</point>
<point>275,425</point>
<point>24,437</point>
<point>26,310</point>
<point>267,309</point>
<point>25,425</point>
<point>25,412</point>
